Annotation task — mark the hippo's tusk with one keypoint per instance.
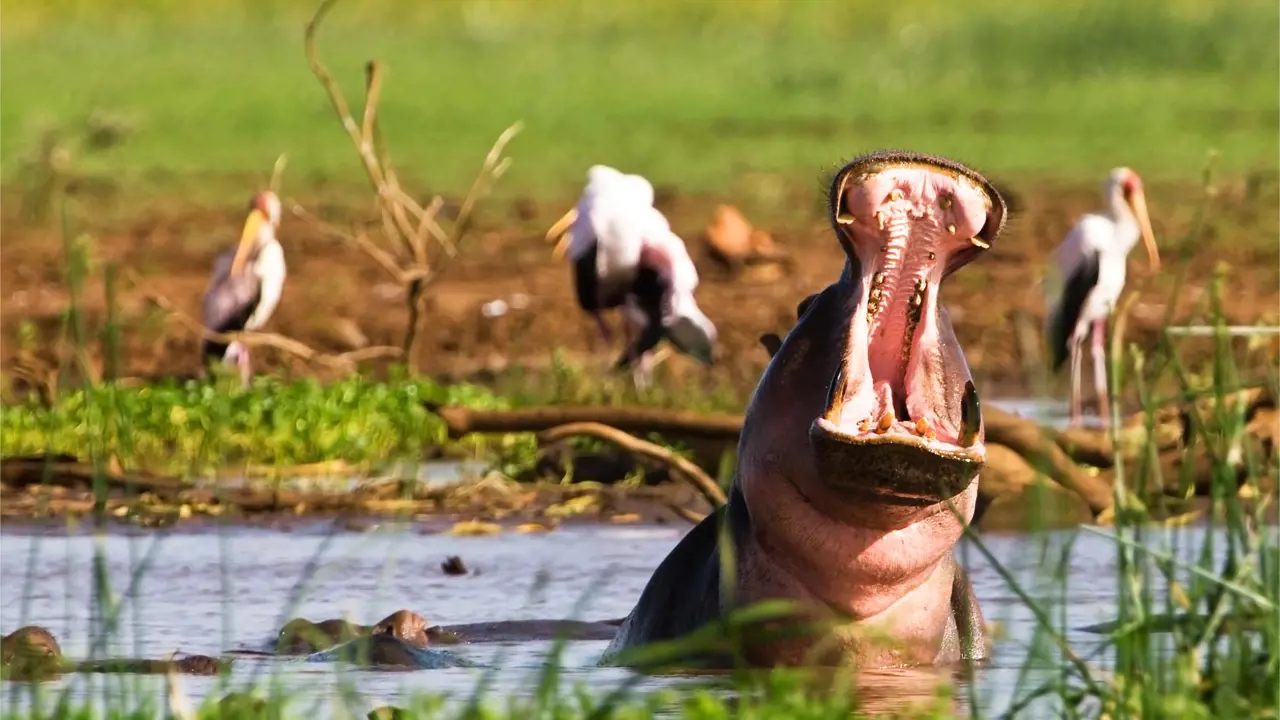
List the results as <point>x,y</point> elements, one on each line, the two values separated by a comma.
<point>970,415</point>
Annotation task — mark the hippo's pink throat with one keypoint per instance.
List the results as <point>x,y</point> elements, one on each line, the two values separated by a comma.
<point>901,383</point>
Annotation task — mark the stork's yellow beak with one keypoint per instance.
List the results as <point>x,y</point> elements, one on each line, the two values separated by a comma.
<point>1138,201</point>
<point>560,232</point>
<point>252,225</point>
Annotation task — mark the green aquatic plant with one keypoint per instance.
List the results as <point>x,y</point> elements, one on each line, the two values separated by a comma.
<point>196,426</point>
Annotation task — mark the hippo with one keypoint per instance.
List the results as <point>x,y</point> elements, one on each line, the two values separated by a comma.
<point>398,641</point>
<point>300,636</point>
<point>404,639</point>
<point>32,653</point>
<point>860,450</point>
<point>304,637</point>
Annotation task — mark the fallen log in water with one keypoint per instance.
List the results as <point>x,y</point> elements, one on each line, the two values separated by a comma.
<point>1062,455</point>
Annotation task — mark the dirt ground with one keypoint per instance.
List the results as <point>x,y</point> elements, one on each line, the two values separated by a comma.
<point>337,299</point>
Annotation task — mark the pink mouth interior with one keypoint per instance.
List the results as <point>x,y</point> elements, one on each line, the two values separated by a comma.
<point>904,224</point>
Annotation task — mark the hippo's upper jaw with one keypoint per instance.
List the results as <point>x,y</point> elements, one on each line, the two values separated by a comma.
<point>902,420</point>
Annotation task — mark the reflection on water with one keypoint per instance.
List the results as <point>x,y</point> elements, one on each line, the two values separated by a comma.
<point>208,592</point>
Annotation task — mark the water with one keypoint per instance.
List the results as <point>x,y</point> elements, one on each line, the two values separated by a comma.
<point>211,590</point>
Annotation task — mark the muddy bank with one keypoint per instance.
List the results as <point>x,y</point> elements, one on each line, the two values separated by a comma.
<point>1034,476</point>
<point>337,299</point>
<point>36,490</point>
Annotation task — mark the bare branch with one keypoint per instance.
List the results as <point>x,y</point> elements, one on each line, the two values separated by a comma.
<point>343,361</point>
<point>337,99</point>
<point>360,240</point>
<point>277,172</point>
<point>711,491</point>
<point>493,168</point>
<point>406,225</point>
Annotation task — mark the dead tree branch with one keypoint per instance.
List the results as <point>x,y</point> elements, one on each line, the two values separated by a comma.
<point>342,362</point>
<point>406,227</point>
<point>711,491</point>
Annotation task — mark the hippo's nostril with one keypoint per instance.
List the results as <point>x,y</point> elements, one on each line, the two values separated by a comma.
<point>970,415</point>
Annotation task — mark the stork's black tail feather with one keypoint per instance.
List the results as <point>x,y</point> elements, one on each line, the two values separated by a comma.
<point>1066,314</point>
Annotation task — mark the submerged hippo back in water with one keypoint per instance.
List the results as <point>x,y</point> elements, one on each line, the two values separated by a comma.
<point>859,455</point>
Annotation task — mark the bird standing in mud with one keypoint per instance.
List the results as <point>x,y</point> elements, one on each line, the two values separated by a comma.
<point>246,285</point>
<point>1087,279</point>
<point>624,255</point>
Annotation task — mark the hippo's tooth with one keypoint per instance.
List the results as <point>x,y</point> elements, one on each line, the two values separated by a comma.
<point>835,393</point>
<point>980,243</point>
<point>922,427</point>
<point>970,415</point>
<point>886,421</point>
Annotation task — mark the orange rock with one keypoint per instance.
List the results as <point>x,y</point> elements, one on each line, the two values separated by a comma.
<point>729,234</point>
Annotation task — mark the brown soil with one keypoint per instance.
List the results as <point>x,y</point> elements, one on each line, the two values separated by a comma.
<point>335,293</point>
<point>33,494</point>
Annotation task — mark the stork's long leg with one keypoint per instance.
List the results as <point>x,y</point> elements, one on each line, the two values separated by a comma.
<point>606,333</point>
<point>1100,369</point>
<point>642,374</point>
<point>1077,344</point>
<point>246,369</point>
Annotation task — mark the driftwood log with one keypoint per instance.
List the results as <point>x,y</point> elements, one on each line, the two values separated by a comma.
<point>1080,460</point>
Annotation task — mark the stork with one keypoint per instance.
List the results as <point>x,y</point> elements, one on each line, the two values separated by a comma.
<point>1088,278</point>
<point>661,304</point>
<point>624,255</point>
<point>246,284</point>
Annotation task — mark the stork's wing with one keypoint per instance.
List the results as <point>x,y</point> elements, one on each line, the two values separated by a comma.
<point>228,303</point>
<point>690,330</point>
<point>1063,316</point>
<point>688,327</point>
<point>1070,277</point>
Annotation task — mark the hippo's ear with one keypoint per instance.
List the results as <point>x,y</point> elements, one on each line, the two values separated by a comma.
<point>803,307</point>
<point>771,342</point>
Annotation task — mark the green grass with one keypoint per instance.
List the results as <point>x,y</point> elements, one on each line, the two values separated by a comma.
<point>198,426</point>
<point>708,96</point>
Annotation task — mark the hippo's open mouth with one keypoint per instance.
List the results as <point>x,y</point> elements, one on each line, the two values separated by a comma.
<point>907,221</point>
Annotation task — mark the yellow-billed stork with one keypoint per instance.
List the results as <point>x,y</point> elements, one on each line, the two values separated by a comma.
<point>625,255</point>
<point>246,284</point>
<point>1087,276</point>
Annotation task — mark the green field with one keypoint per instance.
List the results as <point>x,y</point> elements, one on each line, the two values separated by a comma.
<point>701,95</point>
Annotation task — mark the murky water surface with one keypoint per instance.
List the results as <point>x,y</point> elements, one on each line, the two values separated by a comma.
<point>219,589</point>
<point>226,588</point>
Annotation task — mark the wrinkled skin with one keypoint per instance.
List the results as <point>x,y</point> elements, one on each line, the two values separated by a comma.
<point>859,455</point>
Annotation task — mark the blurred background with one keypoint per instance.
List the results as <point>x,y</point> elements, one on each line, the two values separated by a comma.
<point>158,119</point>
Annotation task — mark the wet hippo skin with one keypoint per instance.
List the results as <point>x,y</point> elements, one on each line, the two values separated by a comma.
<point>860,451</point>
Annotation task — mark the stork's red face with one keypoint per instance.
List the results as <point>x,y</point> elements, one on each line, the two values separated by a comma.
<point>267,203</point>
<point>264,211</point>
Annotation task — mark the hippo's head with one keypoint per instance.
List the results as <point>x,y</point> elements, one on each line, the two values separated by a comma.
<point>866,424</point>
<point>404,625</point>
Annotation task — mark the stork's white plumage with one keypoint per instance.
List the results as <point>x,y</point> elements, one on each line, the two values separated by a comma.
<point>624,254</point>
<point>1087,276</point>
<point>666,306</point>
<point>247,283</point>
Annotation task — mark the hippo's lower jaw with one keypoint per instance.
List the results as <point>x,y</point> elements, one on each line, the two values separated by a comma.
<point>902,420</point>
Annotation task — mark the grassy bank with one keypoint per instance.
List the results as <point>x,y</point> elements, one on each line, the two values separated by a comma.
<point>732,97</point>
<point>193,427</point>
